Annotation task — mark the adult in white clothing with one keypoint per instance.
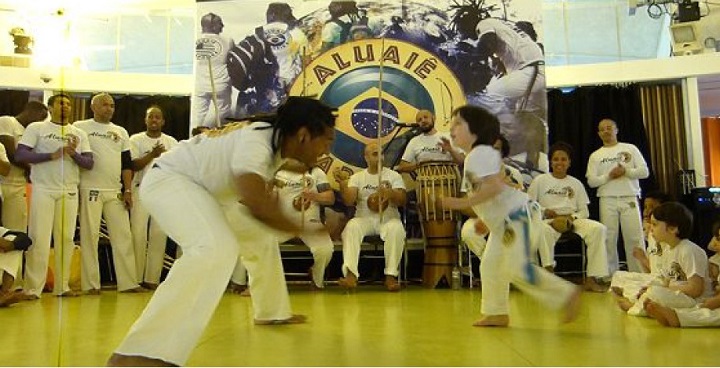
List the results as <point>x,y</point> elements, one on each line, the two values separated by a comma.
<point>301,192</point>
<point>373,191</point>
<point>211,107</point>
<point>430,146</point>
<point>615,169</point>
<point>57,151</point>
<point>505,212</point>
<point>102,196</point>
<point>148,238</point>
<point>14,184</point>
<point>565,208</point>
<point>210,195</point>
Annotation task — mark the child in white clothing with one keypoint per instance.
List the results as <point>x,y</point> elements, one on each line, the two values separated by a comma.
<point>504,210</point>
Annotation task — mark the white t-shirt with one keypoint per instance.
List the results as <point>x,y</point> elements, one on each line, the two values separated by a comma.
<point>681,262</point>
<point>214,159</point>
<point>484,161</point>
<point>107,142</point>
<point>287,45</point>
<point>141,144</point>
<point>565,196</point>
<point>424,148</point>
<point>292,184</point>
<point>4,158</point>
<point>10,126</point>
<point>516,49</point>
<point>655,253</point>
<point>48,137</point>
<point>215,48</point>
<point>602,161</point>
<point>367,184</point>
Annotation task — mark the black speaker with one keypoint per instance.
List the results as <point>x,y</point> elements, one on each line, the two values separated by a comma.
<point>688,11</point>
<point>705,206</point>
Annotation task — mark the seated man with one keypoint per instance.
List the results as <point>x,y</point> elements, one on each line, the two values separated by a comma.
<point>377,213</point>
<point>431,145</point>
<point>12,245</point>
<point>301,192</point>
<point>565,208</point>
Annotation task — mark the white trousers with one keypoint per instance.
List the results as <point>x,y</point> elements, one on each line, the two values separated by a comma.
<point>321,248</point>
<point>53,214</point>
<point>94,205</point>
<point>391,231</point>
<point>503,264</point>
<point>622,213</point>
<point>211,236</point>
<point>14,207</point>
<point>632,282</point>
<point>592,232</point>
<point>663,296</point>
<point>11,262</point>
<point>504,93</point>
<point>205,111</point>
<point>149,242</point>
<point>698,317</point>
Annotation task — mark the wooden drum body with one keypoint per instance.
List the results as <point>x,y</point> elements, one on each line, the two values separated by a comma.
<point>436,180</point>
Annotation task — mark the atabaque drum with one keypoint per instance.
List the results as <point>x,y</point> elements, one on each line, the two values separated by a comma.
<point>434,181</point>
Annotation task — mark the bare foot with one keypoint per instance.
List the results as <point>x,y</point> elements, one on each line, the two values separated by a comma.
<point>499,320</point>
<point>391,283</point>
<point>572,306</point>
<point>119,360</point>
<point>624,303</point>
<point>234,288</point>
<point>246,292</point>
<point>348,282</point>
<point>69,294</point>
<point>617,290</point>
<point>93,292</point>
<point>149,285</point>
<point>666,316</point>
<point>9,298</point>
<point>24,297</point>
<point>592,285</point>
<point>295,319</point>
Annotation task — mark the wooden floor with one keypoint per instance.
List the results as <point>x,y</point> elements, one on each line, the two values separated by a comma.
<point>371,327</point>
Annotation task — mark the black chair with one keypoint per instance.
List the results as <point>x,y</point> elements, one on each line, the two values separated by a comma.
<point>570,255</point>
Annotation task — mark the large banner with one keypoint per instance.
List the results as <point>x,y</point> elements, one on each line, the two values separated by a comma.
<point>361,57</point>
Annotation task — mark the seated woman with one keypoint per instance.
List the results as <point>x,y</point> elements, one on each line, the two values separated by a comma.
<point>565,204</point>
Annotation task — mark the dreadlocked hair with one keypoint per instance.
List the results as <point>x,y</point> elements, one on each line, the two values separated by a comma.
<point>468,14</point>
<point>298,112</point>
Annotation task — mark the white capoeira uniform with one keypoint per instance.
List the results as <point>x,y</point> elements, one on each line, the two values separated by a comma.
<point>54,204</point>
<point>366,222</point>
<point>290,185</point>
<point>11,261</point>
<point>678,264</point>
<point>520,55</point>
<point>148,238</point>
<point>567,196</point>
<point>502,263</point>
<point>14,185</point>
<point>632,282</point>
<point>426,148</point>
<point>477,242</point>
<point>698,317</point>
<point>619,206</point>
<point>191,193</point>
<point>211,52</point>
<point>101,197</point>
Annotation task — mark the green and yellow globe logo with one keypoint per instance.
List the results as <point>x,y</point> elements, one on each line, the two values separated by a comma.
<point>348,77</point>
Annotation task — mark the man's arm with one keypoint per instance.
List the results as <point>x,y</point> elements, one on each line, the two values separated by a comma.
<point>252,192</point>
<point>640,170</point>
<point>594,179</point>
<point>9,143</point>
<point>406,167</point>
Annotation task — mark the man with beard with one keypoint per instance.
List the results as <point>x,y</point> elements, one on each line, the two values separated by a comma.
<point>430,146</point>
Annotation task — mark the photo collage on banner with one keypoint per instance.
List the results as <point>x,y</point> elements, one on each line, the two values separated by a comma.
<point>361,56</point>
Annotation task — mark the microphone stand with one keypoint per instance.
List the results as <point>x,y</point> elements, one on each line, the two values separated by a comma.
<point>396,159</point>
